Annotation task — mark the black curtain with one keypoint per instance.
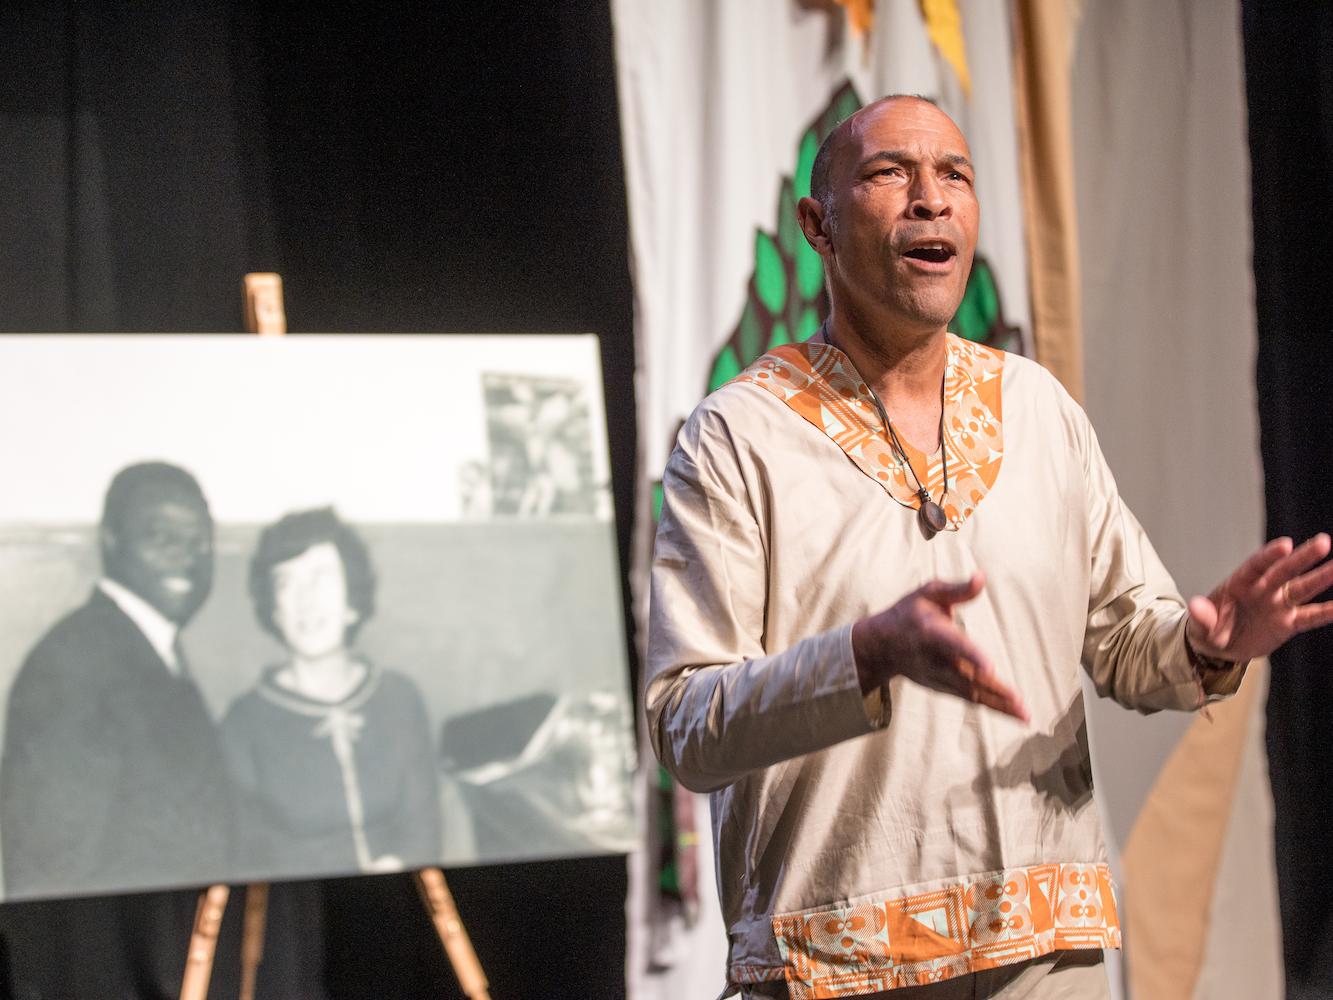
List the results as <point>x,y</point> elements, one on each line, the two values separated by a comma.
<point>1289,79</point>
<point>445,167</point>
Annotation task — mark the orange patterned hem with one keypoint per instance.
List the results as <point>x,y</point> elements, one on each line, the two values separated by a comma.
<point>819,382</point>
<point>980,922</point>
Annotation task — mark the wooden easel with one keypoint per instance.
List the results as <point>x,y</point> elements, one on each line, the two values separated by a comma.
<point>265,315</point>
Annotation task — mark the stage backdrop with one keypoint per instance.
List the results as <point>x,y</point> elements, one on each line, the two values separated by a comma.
<point>487,716</point>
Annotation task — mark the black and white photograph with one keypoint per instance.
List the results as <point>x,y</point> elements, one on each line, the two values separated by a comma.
<point>305,606</point>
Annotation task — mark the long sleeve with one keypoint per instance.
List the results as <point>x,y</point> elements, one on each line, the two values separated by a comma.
<point>719,704</point>
<point>1134,646</point>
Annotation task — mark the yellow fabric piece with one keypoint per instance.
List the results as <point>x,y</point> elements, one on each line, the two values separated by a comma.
<point>1173,852</point>
<point>944,24</point>
<point>1044,45</point>
<point>861,14</point>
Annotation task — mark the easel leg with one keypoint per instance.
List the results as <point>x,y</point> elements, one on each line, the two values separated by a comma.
<point>252,936</point>
<point>203,942</point>
<point>449,925</point>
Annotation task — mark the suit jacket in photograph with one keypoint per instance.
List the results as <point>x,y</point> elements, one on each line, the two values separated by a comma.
<point>112,774</point>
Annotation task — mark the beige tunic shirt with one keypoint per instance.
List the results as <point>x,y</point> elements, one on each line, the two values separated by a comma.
<point>868,844</point>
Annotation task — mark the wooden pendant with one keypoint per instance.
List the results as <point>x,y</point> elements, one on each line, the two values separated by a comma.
<point>931,516</point>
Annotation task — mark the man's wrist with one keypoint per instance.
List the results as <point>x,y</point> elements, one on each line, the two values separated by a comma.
<point>1202,662</point>
<point>863,658</point>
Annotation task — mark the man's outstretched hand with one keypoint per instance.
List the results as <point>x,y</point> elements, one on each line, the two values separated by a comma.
<point>917,639</point>
<point>1263,603</point>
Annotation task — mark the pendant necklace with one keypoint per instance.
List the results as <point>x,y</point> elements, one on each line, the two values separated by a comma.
<point>930,515</point>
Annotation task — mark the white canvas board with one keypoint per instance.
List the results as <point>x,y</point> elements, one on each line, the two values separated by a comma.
<point>472,703</point>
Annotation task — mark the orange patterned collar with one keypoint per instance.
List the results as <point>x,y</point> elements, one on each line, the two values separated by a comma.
<point>819,382</point>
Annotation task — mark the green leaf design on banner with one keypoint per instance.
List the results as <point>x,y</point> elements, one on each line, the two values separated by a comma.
<point>787,285</point>
<point>749,334</point>
<point>725,368</point>
<point>979,315</point>
<point>668,875</point>
<point>805,163</point>
<point>659,498</point>
<point>769,280</point>
<point>806,325</point>
<point>790,236</point>
<point>809,270</point>
<point>845,104</point>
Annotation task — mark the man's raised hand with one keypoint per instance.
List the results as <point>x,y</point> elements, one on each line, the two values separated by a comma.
<point>1264,602</point>
<point>917,639</point>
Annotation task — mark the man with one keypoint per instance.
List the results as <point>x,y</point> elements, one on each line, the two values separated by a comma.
<point>895,742</point>
<point>112,774</point>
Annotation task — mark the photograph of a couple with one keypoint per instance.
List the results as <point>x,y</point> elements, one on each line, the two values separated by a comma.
<point>273,644</point>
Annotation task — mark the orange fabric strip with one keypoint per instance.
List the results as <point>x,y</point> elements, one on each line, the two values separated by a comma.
<point>979,922</point>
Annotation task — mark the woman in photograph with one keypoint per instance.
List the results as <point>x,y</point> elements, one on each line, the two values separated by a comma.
<point>333,751</point>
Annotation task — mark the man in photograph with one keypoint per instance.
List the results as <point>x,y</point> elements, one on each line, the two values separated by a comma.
<point>113,773</point>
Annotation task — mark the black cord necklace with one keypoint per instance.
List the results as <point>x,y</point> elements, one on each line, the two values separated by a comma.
<point>930,515</point>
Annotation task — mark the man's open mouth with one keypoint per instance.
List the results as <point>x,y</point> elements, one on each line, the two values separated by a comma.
<point>937,252</point>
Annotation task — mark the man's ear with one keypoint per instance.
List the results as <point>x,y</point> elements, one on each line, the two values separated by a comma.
<point>810,215</point>
<point>106,537</point>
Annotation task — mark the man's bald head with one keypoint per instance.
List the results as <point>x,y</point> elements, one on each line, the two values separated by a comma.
<point>821,187</point>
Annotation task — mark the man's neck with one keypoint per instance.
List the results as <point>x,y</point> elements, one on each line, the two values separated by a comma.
<point>904,367</point>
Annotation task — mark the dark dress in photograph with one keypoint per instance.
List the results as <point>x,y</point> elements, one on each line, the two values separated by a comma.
<point>334,787</point>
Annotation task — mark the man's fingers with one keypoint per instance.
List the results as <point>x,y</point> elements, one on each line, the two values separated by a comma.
<point>970,675</point>
<point>1003,699</point>
<point>1292,565</point>
<point>1203,613</point>
<point>1313,616</point>
<point>950,645</point>
<point>983,687</point>
<point>946,594</point>
<point>1311,584</point>
<point>1211,627</point>
<point>1253,568</point>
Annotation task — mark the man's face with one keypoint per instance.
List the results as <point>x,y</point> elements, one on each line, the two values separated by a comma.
<point>905,213</point>
<point>162,549</point>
